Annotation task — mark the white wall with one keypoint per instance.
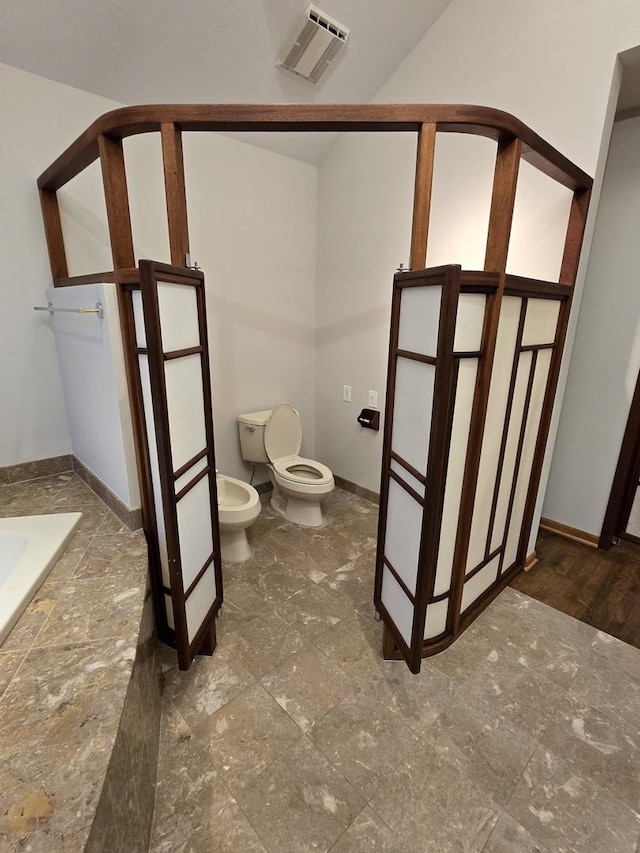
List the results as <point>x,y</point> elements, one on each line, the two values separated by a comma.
<point>253,231</point>
<point>40,119</point>
<point>252,228</point>
<point>551,65</point>
<point>606,356</point>
<point>94,382</point>
<point>252,220</point>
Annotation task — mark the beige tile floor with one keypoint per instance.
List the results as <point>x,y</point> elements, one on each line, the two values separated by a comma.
<point>296,736</point>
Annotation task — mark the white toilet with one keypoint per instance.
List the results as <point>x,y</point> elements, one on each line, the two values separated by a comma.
<point>238,507</point>
<point>274,437</point>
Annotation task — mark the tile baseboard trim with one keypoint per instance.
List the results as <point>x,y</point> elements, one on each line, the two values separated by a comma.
<point>22,472</point>
<point>568,532</point>
<point>357,490</point>
<point>132,518</point>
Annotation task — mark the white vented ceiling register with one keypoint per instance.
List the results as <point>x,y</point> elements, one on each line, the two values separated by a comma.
<point>313,45</point>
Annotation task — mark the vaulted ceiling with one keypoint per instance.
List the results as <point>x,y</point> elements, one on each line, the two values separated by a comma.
<point>209,51</point>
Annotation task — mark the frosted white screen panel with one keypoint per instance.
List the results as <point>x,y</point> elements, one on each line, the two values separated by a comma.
<point>511,450</point>
<point>469,322</point>
<point>194,530</point>
<point>479,583</point>
<point>436,620</point>
<point>408,478</point>
<point>200,601</point>
<point>402,536</point>
<point>143,363</point>
<point>540,321</point>
<point>168,606</point>
<point>455,472</point>
<point>138,316</point>
<point>419,319</point>
<point>494,427</point>
<point>398,606</point>
<point>185,404</point>
<point>412,411</point>
<point>528,450</point>
<point>178,316</point>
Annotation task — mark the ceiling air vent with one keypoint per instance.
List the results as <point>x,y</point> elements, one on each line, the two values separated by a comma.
<point>313,45</point>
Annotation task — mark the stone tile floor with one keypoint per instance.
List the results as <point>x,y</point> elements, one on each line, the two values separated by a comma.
<point>65,670</point>
<point>296,736</point>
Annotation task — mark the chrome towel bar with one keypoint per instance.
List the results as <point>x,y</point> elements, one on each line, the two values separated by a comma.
<point>99,309</point>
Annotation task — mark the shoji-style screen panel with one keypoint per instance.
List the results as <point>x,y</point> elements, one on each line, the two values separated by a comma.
<point>425,377</point>
<point>430,580</point>
<point>521,393</point>
<point>168,331</point>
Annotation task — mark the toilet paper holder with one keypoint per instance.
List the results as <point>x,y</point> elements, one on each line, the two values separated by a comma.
<point>369,419</point>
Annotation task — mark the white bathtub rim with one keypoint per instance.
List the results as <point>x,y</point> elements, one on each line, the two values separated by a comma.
<point>47,537</point>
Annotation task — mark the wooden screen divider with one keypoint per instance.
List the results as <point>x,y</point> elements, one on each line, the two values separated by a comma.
<point>501,294</point>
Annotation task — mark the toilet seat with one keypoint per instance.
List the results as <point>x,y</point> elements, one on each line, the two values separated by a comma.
<point>282,442</point>
<point>282,433</point>
<point>297,469</point>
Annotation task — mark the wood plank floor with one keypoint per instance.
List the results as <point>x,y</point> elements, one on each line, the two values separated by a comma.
<point>601,588</point>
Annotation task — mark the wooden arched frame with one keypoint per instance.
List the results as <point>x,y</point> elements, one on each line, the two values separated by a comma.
<point>103,140</point>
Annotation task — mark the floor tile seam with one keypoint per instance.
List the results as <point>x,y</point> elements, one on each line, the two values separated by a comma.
<point>306,636</point>
<point>599,789</point>
<point>110,572</point>
<point>293,654</point>
<point>251,824</point>
<point>320,636</point>
<point>570,762</point>
<point>347,828</point>
<point>177,838</point>
<point>268,766</point>
<point>242,789</point>
<point>514,730</point>
<point>35,479</point>
<point>33,645</point>
<point>607,711</point>
<point>131,638</point>
<point>468,780</point>
<point>203,740</point>
<point>312,745</point>
<point>9,683</point>
<point>95,773</point>
<point>503,806</point>
<point>130,534</point>
<point>319,719</point>
<point>485,846</point>
<point>613,720</point>
<point>352,784</point>
<point>91,641</point>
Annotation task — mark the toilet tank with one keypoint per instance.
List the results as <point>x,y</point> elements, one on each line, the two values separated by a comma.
<point>251,427</point>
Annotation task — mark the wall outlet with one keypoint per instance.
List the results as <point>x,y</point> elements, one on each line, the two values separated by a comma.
<point>346,393</point>
<point>373,399</point>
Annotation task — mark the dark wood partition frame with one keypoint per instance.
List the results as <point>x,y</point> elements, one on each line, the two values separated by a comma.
<point>515,142</point>
<point>205,639</point>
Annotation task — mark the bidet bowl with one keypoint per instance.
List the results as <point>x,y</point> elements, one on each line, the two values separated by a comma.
<point>238,507</point>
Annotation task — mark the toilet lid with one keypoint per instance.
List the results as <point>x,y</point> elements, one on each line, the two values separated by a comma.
<point>283,432</point>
